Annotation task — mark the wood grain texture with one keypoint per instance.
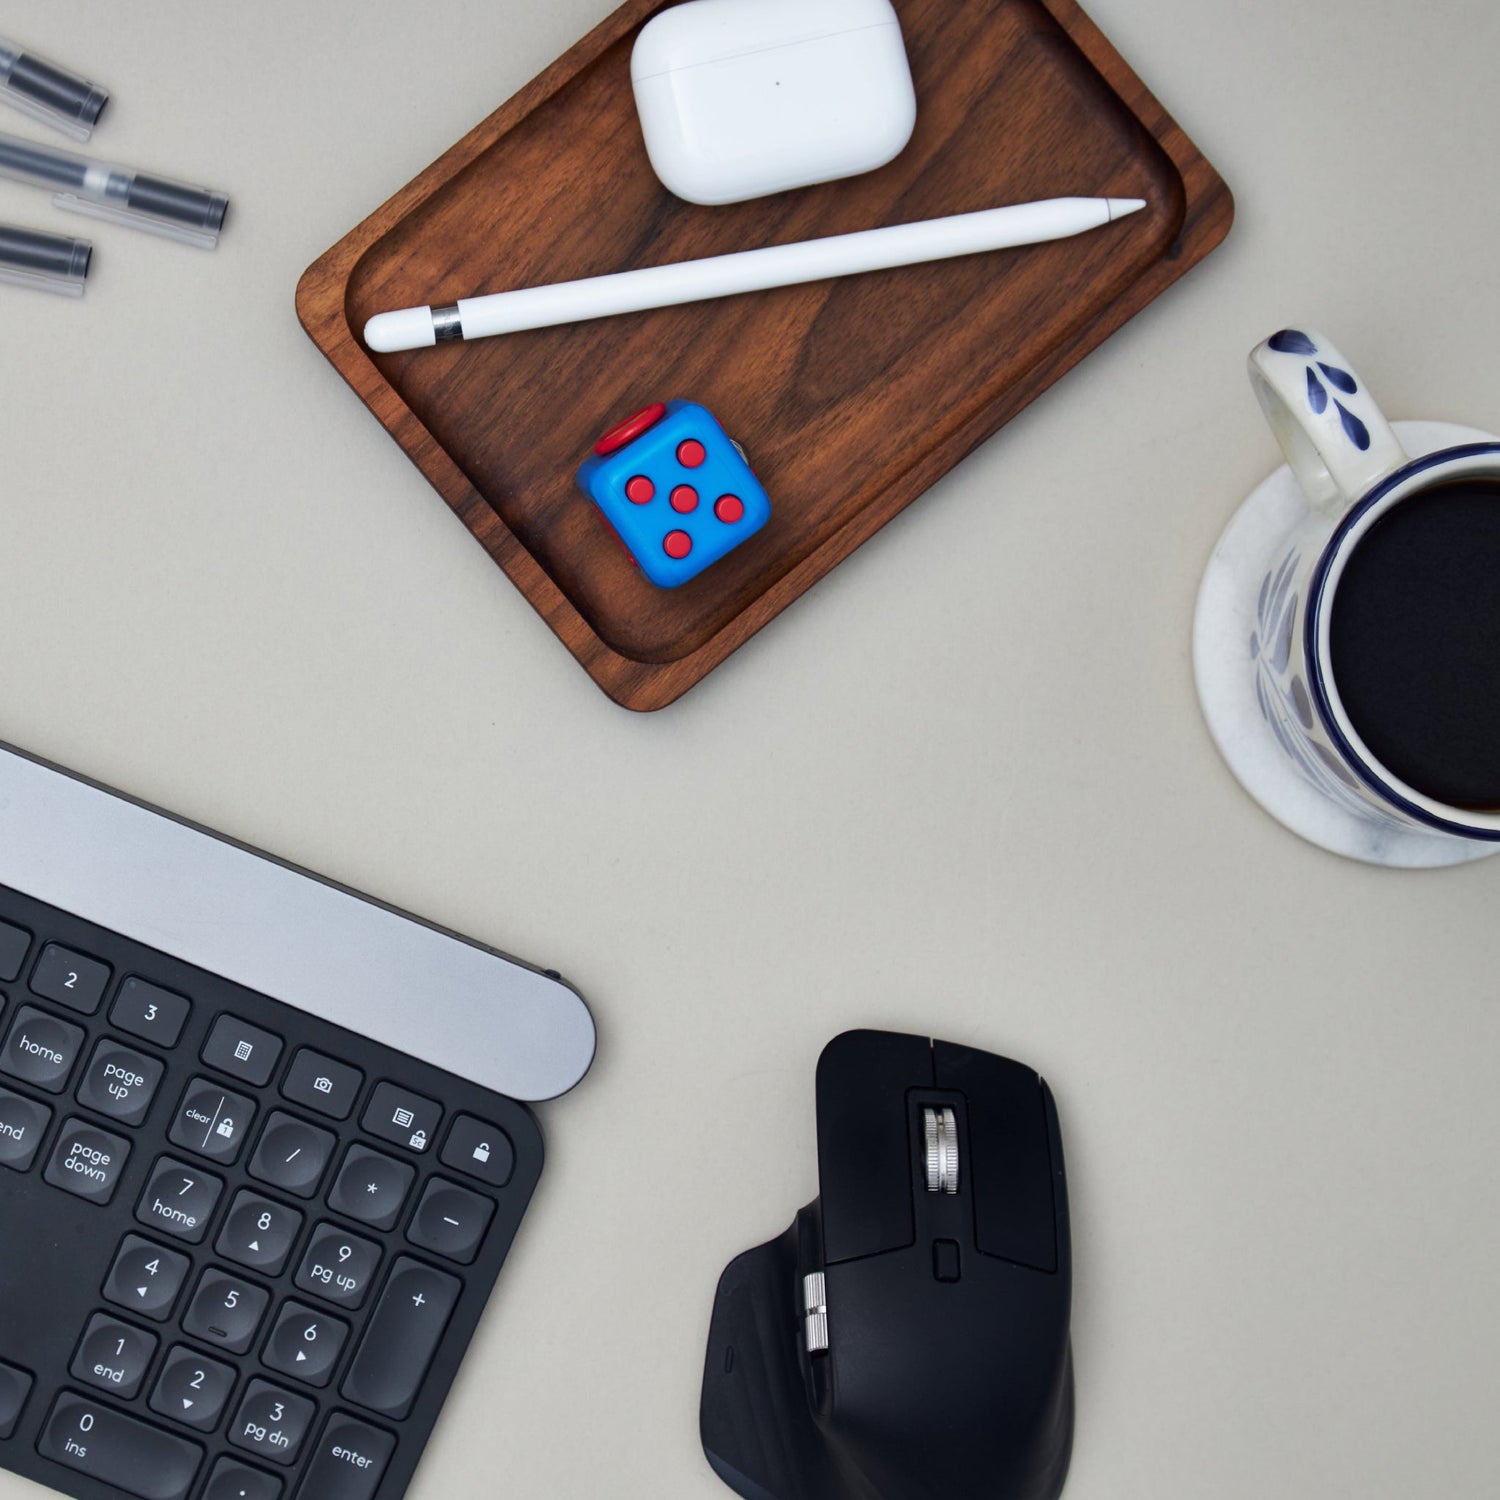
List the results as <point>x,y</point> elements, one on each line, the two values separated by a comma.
<point>851,397</point>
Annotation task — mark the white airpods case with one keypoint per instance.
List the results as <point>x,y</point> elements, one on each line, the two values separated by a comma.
<point>740,98</point>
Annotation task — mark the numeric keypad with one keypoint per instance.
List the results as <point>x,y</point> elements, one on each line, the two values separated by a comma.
<point>292,1218</point>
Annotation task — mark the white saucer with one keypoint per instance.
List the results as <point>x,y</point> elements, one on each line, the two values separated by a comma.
<point>1222,629</point>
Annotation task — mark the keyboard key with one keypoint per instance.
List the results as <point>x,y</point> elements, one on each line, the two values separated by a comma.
<point>192,1389</point>
<point>401,1117</point>
<point>322,1084</point>
<point>401,1338</point>
<point>451,1220</point>
<point>41,1050</point>
<point>87,1161</point>
<point>292,1155</point>
<point>145,1278</point>
<point>232,1480</point>
<point>179,1200</point>
<point>23,1123</point>
<point>339,1266</point>
<point>226,1311</point>
<point>242,1050</point>
<point>305,1343</point>
<point>120,1083</point>
<point>150,1012</point>
<point>137,1459</point>
<point>71,979</point>
<point>480,1149</point>
<point>349,1463</point>
<point>113,1356</point>
<point>259,1233</point>
<point>272,1422</point>
<point>14,941</point>
<point>15,1387</point>
<point>371,1188</point>
<point>212,1121</point>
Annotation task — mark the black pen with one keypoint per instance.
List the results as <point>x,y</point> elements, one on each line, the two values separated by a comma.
<point>46,262</point>
<point>47,92</point>
<point>121,194</point>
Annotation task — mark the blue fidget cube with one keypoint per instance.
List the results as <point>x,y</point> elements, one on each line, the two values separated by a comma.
<point>676,491</point>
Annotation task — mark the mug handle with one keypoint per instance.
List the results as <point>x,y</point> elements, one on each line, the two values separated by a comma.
<point>1333,434</point>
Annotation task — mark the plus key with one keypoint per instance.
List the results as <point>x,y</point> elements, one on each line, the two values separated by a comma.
<point>402,1336</point>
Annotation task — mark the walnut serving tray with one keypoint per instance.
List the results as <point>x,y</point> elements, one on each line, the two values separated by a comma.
<point>850,397</point>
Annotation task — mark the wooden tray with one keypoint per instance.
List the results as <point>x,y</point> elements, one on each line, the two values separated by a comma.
<point>851,397</point>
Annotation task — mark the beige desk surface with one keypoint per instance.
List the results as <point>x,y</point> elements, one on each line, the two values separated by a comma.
<point>223,589</point>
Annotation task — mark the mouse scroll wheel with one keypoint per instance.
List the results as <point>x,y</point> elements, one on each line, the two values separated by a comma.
<point>815,1312</point>
<point>942,1150</point>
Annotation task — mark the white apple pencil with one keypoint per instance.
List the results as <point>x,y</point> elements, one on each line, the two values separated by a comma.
<point>745,271</point>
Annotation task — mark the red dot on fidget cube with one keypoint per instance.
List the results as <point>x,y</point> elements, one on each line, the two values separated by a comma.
<point>729,509</point>
<point>677,544</point>
<point>691,453</point>
<point>684,499</point>
<point>639,490</point>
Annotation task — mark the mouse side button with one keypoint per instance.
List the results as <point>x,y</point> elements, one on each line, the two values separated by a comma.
<point>864,1143</point>
<point>754,1420</point>
<point>1009,1158</point>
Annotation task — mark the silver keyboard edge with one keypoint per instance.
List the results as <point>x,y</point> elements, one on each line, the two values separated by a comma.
<point>288,934</point>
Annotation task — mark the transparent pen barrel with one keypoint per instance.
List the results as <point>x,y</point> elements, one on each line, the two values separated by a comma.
<point>41,166</point>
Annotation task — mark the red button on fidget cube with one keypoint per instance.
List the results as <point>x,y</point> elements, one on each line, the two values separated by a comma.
<point>630,429</point>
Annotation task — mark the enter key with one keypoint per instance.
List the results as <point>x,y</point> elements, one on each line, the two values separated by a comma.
<point>350,1461</point>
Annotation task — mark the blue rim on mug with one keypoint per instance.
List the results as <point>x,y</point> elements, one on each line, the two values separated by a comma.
<point>1359,760</point>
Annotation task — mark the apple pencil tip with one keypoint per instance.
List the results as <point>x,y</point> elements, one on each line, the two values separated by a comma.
<point>1120,207</point>
<point>408,328</point>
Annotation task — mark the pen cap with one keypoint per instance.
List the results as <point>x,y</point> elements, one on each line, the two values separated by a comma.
<point>194,208</point>
<point>45,262</point>
<point>47,92</point>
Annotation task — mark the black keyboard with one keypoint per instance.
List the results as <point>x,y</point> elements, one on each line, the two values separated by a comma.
<point>242,1249</point>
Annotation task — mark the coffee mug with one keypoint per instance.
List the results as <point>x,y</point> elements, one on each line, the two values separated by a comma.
<point>1369,617</point>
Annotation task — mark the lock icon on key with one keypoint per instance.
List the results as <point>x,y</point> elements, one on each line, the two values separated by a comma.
<point>482,1151</point>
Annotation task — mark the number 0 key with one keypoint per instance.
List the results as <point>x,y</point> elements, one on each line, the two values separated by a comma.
<point>118,1450</point>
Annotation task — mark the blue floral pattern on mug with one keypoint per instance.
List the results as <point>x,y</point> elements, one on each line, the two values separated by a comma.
<point>1283,698</point>
<point>1322,378</point>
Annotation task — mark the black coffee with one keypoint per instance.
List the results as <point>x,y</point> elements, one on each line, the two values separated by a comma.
<point>1415,642</point>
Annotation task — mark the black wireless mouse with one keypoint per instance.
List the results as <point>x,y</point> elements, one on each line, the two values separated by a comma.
<point>907,1337</point>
